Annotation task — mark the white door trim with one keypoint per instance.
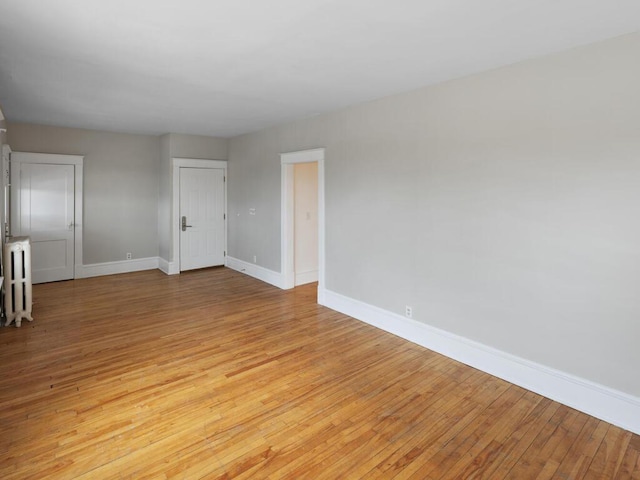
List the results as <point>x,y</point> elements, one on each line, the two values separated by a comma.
<point>287,161</point>
<point>6,189</point>
<point>18,158</point>
<point>176,164</point>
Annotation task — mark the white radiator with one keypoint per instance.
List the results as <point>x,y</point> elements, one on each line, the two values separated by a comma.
<point>16,262</point>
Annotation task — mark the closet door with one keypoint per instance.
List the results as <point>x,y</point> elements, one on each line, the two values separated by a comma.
<point>43,208</point>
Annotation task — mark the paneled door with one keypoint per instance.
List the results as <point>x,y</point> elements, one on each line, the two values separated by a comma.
<point>202,217</point>
<point>43,208</point>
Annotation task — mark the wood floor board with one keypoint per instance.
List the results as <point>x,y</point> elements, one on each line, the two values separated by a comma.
<point>610,455</point>
<point>442,413</point>
<point>442,423</point>
<point>521,438</point>
<point>581,445</point>
<point>459,446</point>
<point>211,374</point>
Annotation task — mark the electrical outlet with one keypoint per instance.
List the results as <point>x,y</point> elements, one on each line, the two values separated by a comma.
<point>408,311</point>
<point>129,256</point>
<point>255,259</point>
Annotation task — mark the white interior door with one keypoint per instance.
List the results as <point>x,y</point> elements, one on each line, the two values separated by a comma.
<point>43,209</point>
<point>202,218</point>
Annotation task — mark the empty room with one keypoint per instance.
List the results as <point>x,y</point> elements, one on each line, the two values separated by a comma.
<point>320,239</point>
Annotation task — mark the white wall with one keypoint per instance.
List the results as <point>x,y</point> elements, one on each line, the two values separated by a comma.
<point>305,186</point>
<point>503,207</point>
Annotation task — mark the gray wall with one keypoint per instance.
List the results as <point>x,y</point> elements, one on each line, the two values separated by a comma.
<point>165,197</point>
<point>198,146</point>
<point>120,186</point>
<point>254,182</point>
<point>3,125</point>
<point>504,207</point>
<point>127,184</point>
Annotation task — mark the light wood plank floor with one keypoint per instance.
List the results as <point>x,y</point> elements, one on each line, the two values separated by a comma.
<point>212,374</point>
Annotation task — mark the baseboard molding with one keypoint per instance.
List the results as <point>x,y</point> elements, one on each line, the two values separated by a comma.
<point>256,271</point>
<point>597,400</point>
<point>112,268</point>
<point>302,278</point>
<point>170,268</point>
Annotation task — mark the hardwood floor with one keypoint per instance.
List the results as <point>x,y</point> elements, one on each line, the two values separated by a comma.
<point>212,374</point>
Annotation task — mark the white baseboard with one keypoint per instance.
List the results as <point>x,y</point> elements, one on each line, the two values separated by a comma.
<point>170,268</point>
<point>309,276</point>
<point>111,268</point>
<point>256,271</point>
<point>602,402</point>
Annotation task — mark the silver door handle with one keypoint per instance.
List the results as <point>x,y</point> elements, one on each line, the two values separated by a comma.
<point>70,225</point>
<point>184,224</point>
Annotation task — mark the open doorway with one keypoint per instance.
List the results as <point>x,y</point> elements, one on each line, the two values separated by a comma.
<point>296,269</point>
<point>305,222</point>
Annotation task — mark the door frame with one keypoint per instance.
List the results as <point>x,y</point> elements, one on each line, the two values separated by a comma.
<point>18,158</point>
<point>176,164</point>
<point>287,235</point>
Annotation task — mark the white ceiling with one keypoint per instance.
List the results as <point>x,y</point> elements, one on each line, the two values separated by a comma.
<point>226,67</point>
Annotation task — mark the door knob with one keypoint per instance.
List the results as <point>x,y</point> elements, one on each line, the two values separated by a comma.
<point>70,226</point>
<point>184,224</point>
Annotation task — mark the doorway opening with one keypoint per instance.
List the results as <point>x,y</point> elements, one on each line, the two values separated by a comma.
<point>288,208</point>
